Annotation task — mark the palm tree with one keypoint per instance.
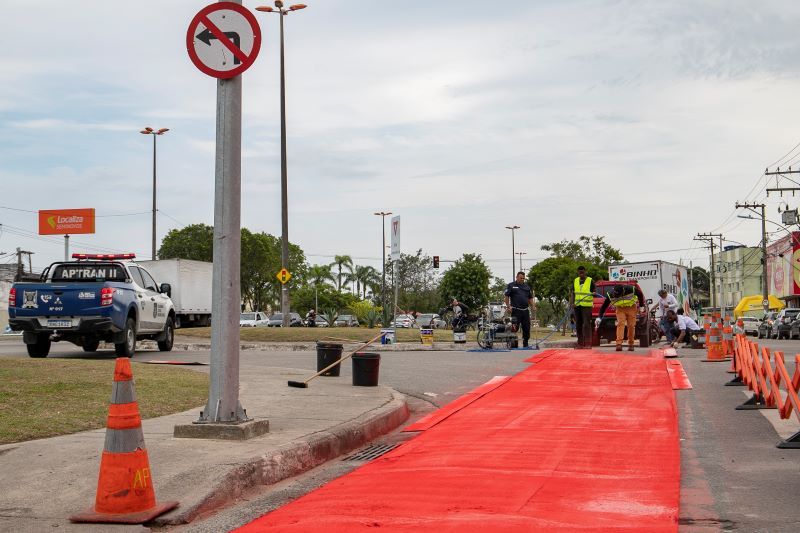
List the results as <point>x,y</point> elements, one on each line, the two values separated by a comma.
<point>342,261</point>
<point>319,274</point>
<point>364,276</point>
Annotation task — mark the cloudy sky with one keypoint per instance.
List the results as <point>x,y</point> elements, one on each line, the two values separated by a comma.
<point>643,121</point>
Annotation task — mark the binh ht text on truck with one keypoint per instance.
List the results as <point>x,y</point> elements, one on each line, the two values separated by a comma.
<point>97,297</point>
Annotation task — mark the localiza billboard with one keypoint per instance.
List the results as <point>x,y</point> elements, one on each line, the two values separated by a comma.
<point>66,221</point>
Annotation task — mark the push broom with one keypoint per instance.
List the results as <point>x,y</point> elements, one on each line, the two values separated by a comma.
<point>304,384</point>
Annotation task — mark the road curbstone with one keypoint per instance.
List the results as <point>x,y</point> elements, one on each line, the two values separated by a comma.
<point>293,459</point>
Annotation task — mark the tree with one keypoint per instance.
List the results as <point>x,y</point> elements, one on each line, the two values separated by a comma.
<point>497,291</point>
<point>701,281</point>
<point>194,242</point>
<point>342,261</point>
<point>553,279</point>
<point>260,260</point>
<point>590,249</point>
<point>417,283</point>
<point>468,280</point>
<point>364,276</point>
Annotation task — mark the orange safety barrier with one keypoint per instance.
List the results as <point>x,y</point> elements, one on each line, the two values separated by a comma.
<point>125,492</point>
<point>755,370</point>
<point>714,349</point>
<point>727,337</point>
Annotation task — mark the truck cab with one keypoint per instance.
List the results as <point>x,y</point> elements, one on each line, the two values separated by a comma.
<point>97,297</point>
<point>647,330</point>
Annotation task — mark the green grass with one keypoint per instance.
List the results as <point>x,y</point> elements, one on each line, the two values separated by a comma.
<point>362,334</point>
<point>49,397</point>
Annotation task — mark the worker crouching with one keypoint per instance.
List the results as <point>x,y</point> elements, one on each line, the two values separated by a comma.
<point>626,299</point>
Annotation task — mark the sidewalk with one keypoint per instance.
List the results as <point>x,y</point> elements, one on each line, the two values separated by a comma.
<point>45,481</point>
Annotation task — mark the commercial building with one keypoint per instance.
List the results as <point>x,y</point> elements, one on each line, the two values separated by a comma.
<point>783,268</point>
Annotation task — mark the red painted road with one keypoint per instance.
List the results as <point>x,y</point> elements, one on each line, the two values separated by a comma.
<point>582,440</point>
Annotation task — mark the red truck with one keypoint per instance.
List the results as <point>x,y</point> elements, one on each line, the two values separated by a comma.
<point>647,330</point>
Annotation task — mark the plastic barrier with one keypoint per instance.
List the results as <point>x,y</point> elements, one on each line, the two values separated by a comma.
<point>714,349</point>
<point>727,337</point>
<point>772,387</point>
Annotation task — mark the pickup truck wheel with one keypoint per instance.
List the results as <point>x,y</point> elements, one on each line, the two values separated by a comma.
<point>39,349</point>
<point>169,336</point>
<point>127,348</point>
<point>91,345</point>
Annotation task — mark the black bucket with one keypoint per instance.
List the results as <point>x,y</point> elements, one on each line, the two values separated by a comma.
<point>365,369</point>
<point>328,353</point>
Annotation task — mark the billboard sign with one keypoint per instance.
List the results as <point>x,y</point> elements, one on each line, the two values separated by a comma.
<point>66,221</point>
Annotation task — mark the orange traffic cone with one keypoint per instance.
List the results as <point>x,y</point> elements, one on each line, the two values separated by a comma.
<point>125,492</point>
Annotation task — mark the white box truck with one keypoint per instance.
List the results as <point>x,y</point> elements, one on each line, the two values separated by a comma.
<point>191,288</point>
<point>653,276</point>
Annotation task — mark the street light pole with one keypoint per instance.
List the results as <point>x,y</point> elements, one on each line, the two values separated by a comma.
<point>154,133</point>
<point>284,173</point>
<point>513,254</point>
<point>383,215</point>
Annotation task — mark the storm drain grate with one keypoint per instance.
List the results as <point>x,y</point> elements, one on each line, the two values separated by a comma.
<point>371,452</point>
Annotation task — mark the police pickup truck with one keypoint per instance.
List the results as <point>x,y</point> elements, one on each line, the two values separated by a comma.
<point>98,297</point>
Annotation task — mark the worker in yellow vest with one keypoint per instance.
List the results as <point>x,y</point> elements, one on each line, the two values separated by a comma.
<point>626,299</point>
<point>581,299</point>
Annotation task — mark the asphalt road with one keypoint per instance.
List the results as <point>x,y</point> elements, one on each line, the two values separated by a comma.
<point>733,476</point>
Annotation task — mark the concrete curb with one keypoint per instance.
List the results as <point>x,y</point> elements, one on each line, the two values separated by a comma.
<point>293,459</point>
<point>312,346</point>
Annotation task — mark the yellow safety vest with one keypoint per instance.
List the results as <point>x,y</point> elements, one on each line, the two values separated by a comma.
<point>626,300</point>
<point>583,294</point>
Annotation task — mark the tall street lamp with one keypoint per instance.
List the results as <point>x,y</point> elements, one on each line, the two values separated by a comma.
<point>155,133</point>
<point>520,254</point>
<point>279,10</point>
<point>513,254</point>
<point>383,216</point>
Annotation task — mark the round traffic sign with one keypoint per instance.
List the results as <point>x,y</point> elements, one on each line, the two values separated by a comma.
<point>765,302</point>
<point>223,39</point>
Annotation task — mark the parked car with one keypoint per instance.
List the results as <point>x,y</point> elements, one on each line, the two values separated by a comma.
<point>782,325</point>
<point>403,321</point>
<point>252,320</point>
<point>320,322</point>
<point>276,320</point>
<point>750,325</point>
<point>765,327</point>
<point>430,320</point>
<point>346,321</point>
<point>794,330</point>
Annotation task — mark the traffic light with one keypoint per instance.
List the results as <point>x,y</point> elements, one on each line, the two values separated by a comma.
<point>435,261</point>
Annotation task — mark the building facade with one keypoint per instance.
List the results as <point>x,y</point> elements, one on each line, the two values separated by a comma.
<point>783,268</point>
<point>739,270</point>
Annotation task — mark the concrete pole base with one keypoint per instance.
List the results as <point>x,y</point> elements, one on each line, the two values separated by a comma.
<point>221,430</point>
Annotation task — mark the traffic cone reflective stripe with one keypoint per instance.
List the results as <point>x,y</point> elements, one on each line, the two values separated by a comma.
<point>124,487</point>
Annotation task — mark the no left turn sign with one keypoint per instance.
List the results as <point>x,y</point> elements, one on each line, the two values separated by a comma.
<point>223,39</point>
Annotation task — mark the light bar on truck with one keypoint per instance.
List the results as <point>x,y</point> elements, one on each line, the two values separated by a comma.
<point>104,256</point>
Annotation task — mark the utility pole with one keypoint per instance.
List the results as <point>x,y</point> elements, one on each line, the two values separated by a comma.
<point>778,188</point>
<point>709,238</point>
<point>764,280</point>
<point>21,265</point>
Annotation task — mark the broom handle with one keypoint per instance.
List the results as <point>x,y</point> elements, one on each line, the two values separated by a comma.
<point>378,336</point>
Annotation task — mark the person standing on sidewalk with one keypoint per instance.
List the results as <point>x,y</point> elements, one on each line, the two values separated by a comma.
<point>581,300</point>
<point>626,300</point>
<point>519,299</point>
<point>666,302</point>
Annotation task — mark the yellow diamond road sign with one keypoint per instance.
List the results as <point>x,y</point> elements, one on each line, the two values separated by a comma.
<point>284,276</point>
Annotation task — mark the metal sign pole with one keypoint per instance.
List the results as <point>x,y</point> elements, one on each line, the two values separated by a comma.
<point>223,397</point>
<point>66,247</point>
